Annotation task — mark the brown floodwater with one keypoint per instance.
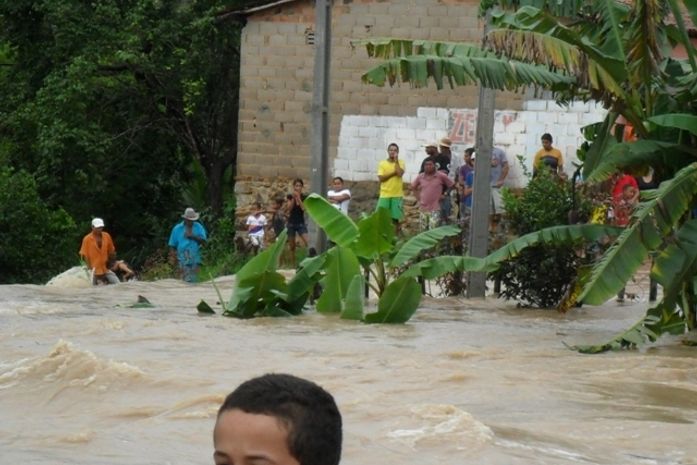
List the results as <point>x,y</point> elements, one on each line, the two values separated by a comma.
<point>84,379</point>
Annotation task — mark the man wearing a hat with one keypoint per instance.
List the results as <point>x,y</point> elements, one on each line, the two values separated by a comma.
<point>447,165</point>
<point>185,243</point>
<point>97,249</point>
<point>431,150</point>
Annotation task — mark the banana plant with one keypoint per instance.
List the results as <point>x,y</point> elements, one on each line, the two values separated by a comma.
<point>369,248</point>
<point>260,290</point>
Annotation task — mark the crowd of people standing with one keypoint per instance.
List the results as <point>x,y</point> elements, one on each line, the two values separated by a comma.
<point>443,189</point>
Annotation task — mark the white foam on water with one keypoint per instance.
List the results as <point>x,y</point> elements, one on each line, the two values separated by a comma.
<point>442,422</point>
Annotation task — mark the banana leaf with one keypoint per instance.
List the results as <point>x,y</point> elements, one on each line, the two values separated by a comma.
<point>601,138</point>
<point>432,268</point>
<point>342,266</point>
<point>398,303</point>
<point>376,235</point>
<point>267,260</point>
<point>492,72</point>
<point>338,227</point>
<point>387,48</point>
<point>204,309</point>
<point>651,222</point>
<point>353,303</point>
<point>246,287</point>
<point>659,320</point>
<point>256,294</point>
<point>423,241</point>
<point>686,122</point>
<point>626,154</point>
<point>306,277</point>
<point>677,263</point>
<point>553,235</point>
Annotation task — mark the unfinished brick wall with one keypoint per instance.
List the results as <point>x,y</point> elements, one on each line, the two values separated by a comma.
<point>277,75</point>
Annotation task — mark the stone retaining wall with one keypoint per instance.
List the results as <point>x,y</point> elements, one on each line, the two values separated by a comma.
<point>364,196</point>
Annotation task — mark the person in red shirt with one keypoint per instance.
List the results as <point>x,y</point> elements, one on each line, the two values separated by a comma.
<point>624,206</point>
<point>430,186</point>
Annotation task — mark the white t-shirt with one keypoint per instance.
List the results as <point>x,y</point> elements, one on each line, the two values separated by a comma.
<point>344,204</point>
<point>257,224</point>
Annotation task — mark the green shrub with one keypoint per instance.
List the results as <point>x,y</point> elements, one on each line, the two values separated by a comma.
<point>37,242</point>
<point>540,276</point>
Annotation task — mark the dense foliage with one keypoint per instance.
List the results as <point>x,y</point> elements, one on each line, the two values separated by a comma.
<point>114,107</point>
<point>35,238</point>
<point>541,275</point>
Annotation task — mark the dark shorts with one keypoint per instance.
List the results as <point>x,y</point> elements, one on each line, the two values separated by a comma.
<point>294,229</point>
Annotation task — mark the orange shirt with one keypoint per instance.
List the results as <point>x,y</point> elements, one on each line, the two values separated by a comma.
<point>96,257</point>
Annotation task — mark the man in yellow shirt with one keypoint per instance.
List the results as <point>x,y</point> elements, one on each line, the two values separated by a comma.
<point>548,156</point>
<point>390,174</point>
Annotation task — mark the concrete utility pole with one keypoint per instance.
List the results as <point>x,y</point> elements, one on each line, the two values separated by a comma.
<point>481,195</point>
<point>320,107</point>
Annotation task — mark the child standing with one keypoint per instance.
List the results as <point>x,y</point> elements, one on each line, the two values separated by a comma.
<point>296,217</point>
<point>256,222</point>
<point>278,219</point>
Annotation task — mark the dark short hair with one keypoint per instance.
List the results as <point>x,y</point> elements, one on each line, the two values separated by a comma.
<point>304,408</point>
<point>469,150</point>
<point>393,145</point>
<point>547,136</point>
<point>341,180</point>
<point>298,180</point>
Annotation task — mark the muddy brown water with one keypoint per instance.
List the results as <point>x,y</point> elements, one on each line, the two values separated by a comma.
<point>86,380</point>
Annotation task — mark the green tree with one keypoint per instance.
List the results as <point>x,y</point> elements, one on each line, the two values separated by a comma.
<point>36,239</point>
<point>115,106</point>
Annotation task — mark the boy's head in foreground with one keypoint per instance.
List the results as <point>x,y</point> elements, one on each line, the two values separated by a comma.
<point>278,419</point>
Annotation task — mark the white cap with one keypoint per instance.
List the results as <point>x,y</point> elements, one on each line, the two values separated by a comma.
<point>97,223</point>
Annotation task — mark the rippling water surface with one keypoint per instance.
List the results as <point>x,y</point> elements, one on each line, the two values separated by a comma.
<point>84,379</point>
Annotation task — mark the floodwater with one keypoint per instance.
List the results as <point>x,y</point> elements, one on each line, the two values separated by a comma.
<point>84,379</point>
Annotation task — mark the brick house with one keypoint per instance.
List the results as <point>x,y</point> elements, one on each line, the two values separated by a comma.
<point>276,81</point>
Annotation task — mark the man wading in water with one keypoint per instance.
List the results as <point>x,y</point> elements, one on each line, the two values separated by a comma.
<point>97,250</point>
<point>185,243</point>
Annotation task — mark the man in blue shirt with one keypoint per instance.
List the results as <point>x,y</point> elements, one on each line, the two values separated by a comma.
<point>185,243</point>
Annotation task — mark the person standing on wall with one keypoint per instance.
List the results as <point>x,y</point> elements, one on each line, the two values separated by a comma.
<point>444,164</point>
<point>431,154</point>
<point>548,156</point>
<point>429,187</point>
<point>98,250</point>
<point>466,186</point>
<point>390,173</point>
<point>297,226</point>
<point>339,196</point>
<point>499,171</point>
<point>185,242</point>
<point>461,179</point>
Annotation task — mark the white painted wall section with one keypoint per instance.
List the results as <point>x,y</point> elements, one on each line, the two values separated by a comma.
<point>363,140</point>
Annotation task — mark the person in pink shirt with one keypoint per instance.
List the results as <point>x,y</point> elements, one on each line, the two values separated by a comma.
<point>429,187</point>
